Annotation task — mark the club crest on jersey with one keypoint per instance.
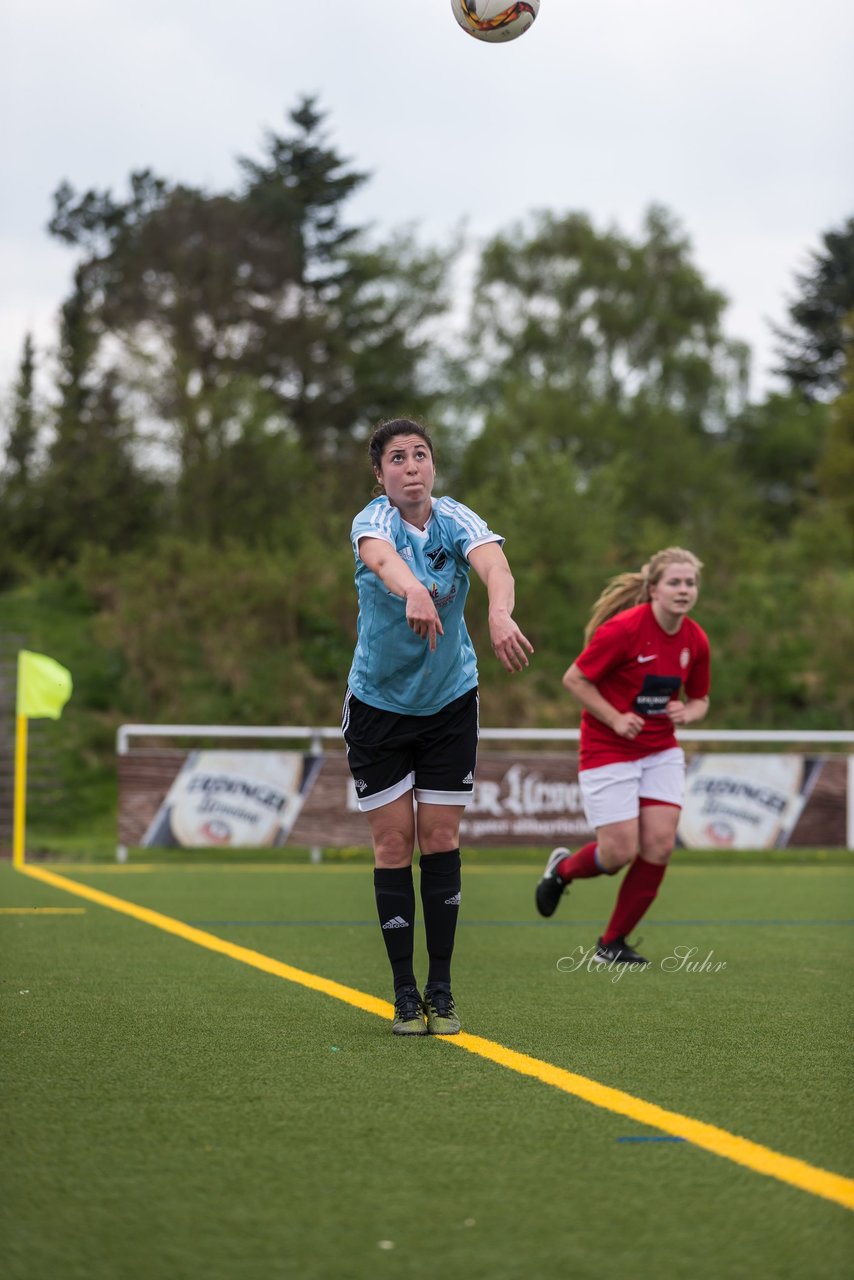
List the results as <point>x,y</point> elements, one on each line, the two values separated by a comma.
<point>684,658</point>
<point>438,559</point>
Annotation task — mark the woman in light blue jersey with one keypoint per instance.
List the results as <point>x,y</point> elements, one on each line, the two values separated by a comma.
<point>410,714</point>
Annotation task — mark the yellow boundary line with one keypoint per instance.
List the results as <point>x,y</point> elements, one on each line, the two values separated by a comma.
<point>42,911</point>
<point>753,1156</point>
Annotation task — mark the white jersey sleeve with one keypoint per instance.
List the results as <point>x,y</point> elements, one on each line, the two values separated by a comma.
<point>466,529</point>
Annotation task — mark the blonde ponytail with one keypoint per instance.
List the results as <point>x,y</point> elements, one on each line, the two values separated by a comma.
<point>622,592</point>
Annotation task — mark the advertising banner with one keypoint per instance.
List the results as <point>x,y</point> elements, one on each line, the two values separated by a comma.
<point>253,799</point>
<point>236,799</point>
<point>745,801</point>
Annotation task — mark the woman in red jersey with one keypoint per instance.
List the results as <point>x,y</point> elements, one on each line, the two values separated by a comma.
<point>643,672</point>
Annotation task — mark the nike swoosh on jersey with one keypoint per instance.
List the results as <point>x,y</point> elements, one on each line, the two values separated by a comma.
<point>648,658</point>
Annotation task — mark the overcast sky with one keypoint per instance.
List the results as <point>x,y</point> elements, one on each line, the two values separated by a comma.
<point>738,115</point>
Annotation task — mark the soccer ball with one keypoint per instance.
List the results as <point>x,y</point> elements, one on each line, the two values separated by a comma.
<point>495,20</point>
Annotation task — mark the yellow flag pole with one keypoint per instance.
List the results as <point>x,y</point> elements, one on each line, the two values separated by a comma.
<point>20,820</point>
<point>44,687</point>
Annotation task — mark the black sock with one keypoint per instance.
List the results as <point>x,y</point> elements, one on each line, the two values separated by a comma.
<point>440,901</point>
<point>395,895</point>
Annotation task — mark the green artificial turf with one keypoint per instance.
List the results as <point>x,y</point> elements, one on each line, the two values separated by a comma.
<point>172,1112</point>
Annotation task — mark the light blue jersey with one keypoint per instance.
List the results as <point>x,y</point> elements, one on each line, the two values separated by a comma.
<point>393,668</point>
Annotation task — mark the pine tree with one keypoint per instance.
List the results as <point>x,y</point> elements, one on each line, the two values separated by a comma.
<point>815,351</point>
<point>91,489</point>
<point>18,476</point>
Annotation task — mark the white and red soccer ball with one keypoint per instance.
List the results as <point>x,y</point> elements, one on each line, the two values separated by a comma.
<point>495,20</point>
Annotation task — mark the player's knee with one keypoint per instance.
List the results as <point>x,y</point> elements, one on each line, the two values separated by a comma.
<point>393,849</point>
<point>657,852</point>
<point>438,828</point>
<point>614,856</point>
<point>439,838</point>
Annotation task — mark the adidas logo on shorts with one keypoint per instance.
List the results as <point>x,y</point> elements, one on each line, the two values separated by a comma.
<point>455,901</point>
<point>396,922</point>
<point>468,780</point>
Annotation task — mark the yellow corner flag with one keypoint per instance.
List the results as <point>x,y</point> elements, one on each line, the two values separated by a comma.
<point>44,686</point>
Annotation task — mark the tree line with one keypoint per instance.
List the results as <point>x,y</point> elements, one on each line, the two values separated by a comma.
<point>223,357</point>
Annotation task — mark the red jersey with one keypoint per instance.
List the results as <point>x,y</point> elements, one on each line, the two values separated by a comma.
<point>638,667</point>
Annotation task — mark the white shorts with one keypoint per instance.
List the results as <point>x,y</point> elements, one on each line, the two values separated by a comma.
<point>615,792</point>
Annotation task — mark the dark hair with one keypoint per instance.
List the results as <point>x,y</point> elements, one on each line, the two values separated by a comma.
<point>388,430</point>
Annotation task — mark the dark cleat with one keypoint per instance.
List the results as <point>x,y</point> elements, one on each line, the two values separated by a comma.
<point>617,952</point>
<point>550,889</point>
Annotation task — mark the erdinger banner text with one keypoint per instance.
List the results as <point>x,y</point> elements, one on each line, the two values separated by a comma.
<point>745,801</point>
<point>236,799</point>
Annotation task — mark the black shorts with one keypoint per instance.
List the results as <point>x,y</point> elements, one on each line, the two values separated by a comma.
<point>390,754</point>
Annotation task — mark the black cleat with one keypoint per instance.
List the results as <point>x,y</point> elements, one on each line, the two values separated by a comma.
<point>550,889</point>
<point>617,952</point>
<point>408,1013</point>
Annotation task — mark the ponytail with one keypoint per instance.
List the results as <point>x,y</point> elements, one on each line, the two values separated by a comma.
<point>621,593</point>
